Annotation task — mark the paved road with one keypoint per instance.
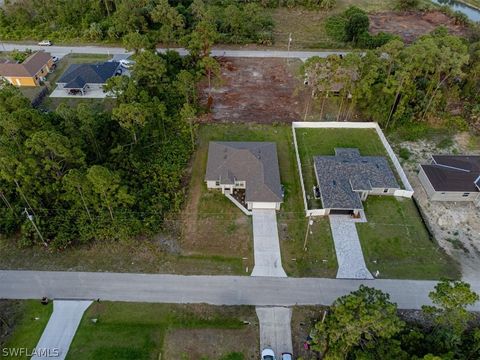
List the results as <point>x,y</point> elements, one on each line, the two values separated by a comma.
<point>268,259</point>
<point>61,328</point>
<point>61,51</point>
<point>351,264</point>
<point>215,290</point>
<point>275,329</point>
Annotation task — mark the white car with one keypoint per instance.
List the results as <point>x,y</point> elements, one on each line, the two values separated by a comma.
<point>127,64</point>
<point>55,59</point>
<point>268,354</point>
<point>45,43</point>
<point>287,356</point>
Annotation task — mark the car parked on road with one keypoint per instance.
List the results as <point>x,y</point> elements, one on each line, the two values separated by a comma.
<point>45,43</point>
<point>287,356</point>
<point>268,354</point>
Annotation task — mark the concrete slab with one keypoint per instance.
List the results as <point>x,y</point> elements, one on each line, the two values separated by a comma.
<point>275,329</point>
<point>61,329</point>
<point>351,264</point>
<point>89,94</point>
<point>268,260</point>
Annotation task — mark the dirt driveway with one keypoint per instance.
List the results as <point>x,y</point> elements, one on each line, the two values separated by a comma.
<point>410,25</point>
<point>263,90</point>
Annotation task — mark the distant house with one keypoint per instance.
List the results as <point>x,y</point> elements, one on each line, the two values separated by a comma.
<point>82,78</point>
<point>347,178</point>
<point>251,167</point>
<point>28,73</point>
<point>452,178</point>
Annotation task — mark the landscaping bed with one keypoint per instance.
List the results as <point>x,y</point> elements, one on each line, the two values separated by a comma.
<point>124,331</point>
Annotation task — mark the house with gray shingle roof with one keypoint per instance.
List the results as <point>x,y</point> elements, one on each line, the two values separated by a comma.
<point>83,77</point>
<point>251,167</point>
<point>346,179</point>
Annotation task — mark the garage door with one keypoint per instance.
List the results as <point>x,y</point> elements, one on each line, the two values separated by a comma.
<point>341,212</point>
<point>264,205</point>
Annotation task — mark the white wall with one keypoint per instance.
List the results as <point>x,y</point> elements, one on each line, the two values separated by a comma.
<point>263,205</point>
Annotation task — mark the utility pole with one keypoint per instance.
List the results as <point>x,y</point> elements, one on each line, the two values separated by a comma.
<point>310,222</point>
<point>30,217</point>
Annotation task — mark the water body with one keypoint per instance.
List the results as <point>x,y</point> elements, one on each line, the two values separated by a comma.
<point>472,13</point>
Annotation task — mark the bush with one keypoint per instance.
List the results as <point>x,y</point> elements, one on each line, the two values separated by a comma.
<point>404,153</point>
<point>407,4</point>
<point>357,24</point>
<point>335,27</point>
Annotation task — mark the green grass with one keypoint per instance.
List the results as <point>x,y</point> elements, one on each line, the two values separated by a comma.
<point>28,330</point>
<point>395,242</point>
<point>313,142</point>
<point>137,330</point>
<point>291,218</point>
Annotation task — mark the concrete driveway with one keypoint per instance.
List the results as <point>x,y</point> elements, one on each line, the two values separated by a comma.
<point>268,260</point>
<point>61,329</point>
<point>351,264</point>
<point>275,329</point>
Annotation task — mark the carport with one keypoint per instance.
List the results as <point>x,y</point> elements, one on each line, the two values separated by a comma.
<point>76,85</point>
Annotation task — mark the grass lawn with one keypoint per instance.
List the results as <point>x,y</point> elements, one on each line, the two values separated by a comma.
<point>32,319</point>
<point>125,331</point>
<point>396,242</point>
<point>214,208</point>
<point>312,142</point>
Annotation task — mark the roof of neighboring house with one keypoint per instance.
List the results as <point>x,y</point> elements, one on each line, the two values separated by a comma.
<point>454,173</point>
<point>342,175</point>
<point>30,67</point>
<point>256,163</point>
<point>78,75</point>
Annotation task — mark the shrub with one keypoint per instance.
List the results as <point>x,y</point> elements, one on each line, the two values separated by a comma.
<point>335,27</point>
<point>404,153</point>
<point>357,24</point>
<point>407,4</point>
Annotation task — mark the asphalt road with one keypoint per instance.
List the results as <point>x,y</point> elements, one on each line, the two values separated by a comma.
<point>61,51</point>
<point>215,290</point>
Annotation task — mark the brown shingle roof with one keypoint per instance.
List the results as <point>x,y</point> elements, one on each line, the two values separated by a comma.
<point>453,173</point>
<point>28,68</point>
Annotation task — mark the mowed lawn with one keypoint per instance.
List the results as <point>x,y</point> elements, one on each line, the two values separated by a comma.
<point>314,142</point>
<point>27,331</point>
<point>223,229</point>
<point>395,240</point>
<point>396,243</point>
<point>125,331</point>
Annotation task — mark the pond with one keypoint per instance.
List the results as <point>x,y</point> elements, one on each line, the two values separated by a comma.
<point>472,13</point>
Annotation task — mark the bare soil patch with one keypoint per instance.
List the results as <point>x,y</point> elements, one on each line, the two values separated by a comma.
<point>454,225</point>
<point>261,90</point>
<point>411,25</point>
<point>194,344</point>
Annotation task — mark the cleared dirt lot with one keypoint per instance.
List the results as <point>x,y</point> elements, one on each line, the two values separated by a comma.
<point>263,90</point>
<point>410,25</point>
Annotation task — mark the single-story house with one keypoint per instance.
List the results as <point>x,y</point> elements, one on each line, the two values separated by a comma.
<point>79,78</point>
<point>249,166</point>
<point>347,178</point>
<point>30,72</point>
<point>452,178</point>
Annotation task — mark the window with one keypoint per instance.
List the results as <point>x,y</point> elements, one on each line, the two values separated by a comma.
<point>465,194</point>
<point>217,183</point>
<point>385,191</point>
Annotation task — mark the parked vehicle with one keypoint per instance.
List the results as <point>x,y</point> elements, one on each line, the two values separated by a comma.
<point>45,43</point>
<point>127,64</point>
<point>287,356</point>
<point>55,59</point>
<point>118,72</point>
<point>268,354</point>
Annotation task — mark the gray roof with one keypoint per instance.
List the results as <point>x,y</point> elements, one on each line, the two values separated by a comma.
<point>341,175</point>
<point>78,75</point>
<point>256,163</point>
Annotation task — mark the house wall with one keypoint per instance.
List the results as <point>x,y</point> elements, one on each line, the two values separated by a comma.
<point>21,81</point>
<point>380,191</point>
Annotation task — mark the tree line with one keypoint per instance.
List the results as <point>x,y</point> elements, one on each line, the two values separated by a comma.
<point>399,84</point>
<point>80,174</point>
<point>366,325</point>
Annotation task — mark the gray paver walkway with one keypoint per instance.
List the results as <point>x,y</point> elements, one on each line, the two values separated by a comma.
<point>268,260</point>
<point>351,264</point>
<point>275,329</point>
<point>61,328</point>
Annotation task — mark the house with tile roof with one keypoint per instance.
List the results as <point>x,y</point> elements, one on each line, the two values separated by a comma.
<point>346,179</point>
<point>248,168</point>
<point>82,78</point>
<point>28,73</point>
<point>451,178</point>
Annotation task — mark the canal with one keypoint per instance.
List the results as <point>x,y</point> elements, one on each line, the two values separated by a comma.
<point>472,13</point>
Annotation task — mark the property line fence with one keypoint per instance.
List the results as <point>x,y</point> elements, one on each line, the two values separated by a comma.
<point>406,192</point>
